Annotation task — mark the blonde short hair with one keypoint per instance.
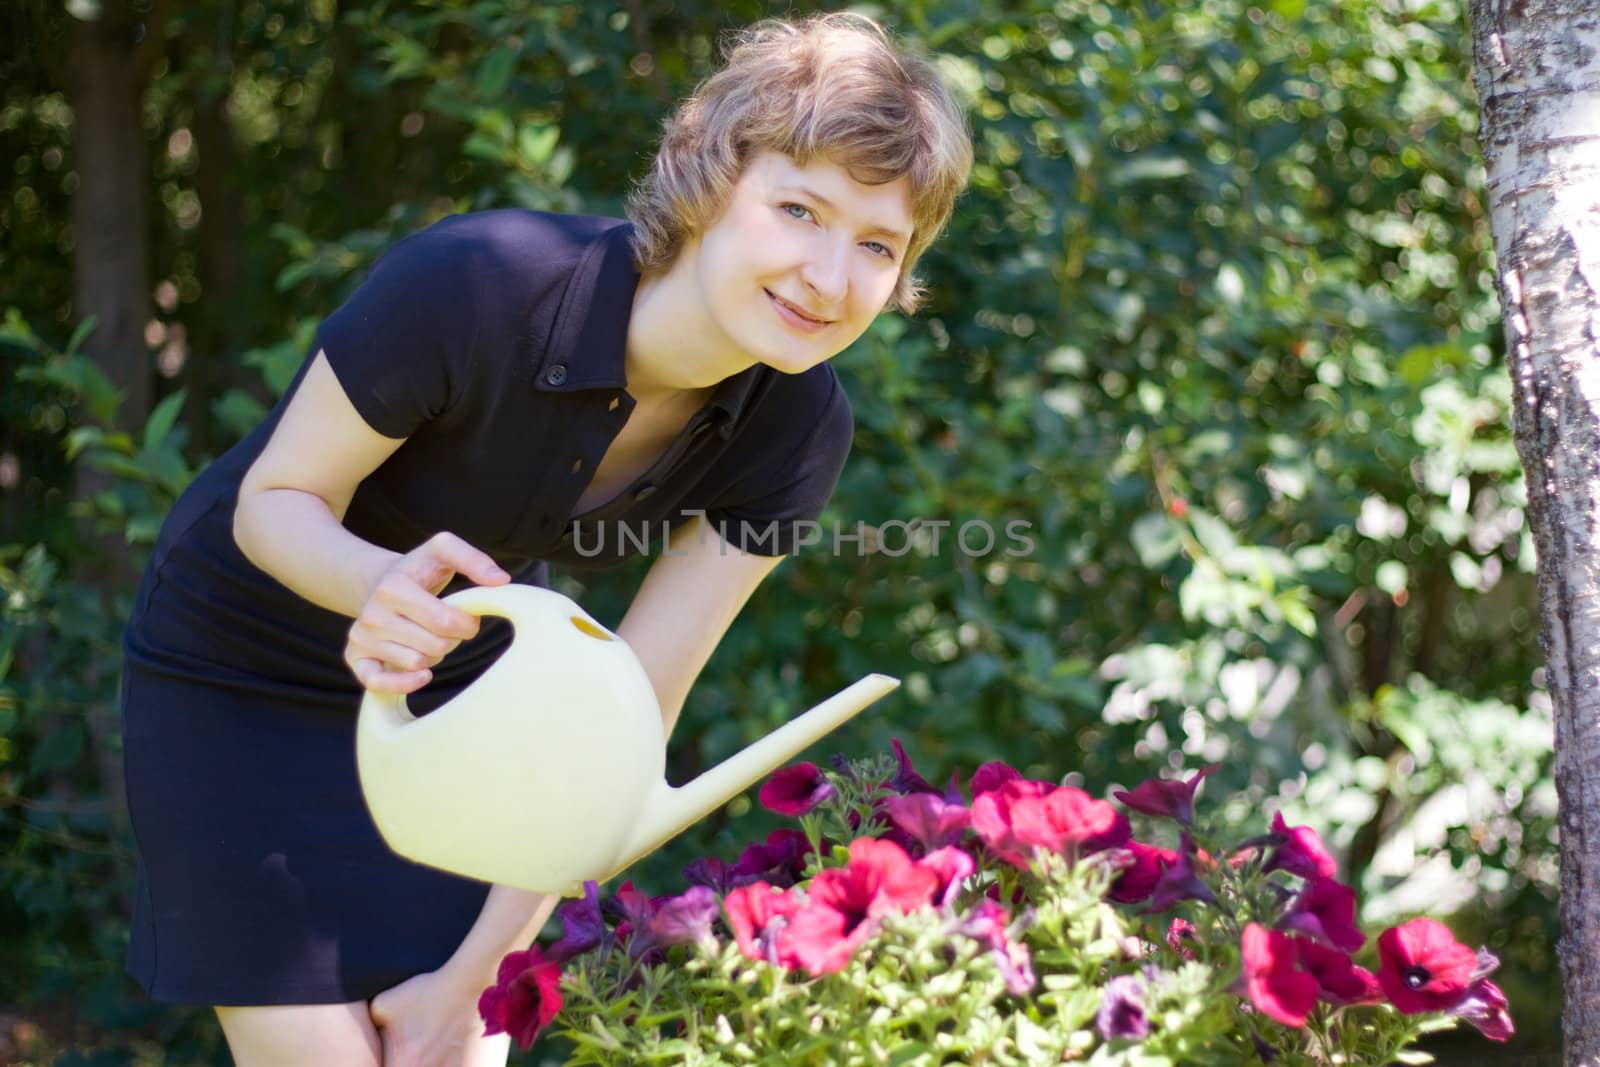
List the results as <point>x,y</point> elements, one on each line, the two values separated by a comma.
<point>835,86</point>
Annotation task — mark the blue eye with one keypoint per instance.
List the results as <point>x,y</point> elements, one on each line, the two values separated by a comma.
<point>796,211</point>
<point>880,249</point>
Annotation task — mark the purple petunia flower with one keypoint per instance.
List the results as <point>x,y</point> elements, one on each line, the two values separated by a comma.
<point>581,925</point>
<point>906,779</point>
<point>930,820</point>
<point>1166,798</point>
<point>779,862</point>
<point>685,919</point>
<point>1121,1012</point>
<point>1179,882</point>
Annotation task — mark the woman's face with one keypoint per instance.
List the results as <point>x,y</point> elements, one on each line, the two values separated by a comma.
<point>802,260</point>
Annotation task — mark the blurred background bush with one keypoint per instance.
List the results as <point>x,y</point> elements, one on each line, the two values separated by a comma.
<point>1217,319</point>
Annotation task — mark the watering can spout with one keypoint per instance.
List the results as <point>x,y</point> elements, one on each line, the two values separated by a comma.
<point>672,809</point>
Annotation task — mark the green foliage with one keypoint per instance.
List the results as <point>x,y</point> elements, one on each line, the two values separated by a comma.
<point>1216,320</point>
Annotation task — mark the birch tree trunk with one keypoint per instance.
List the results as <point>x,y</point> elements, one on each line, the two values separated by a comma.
<point>1538,82</point>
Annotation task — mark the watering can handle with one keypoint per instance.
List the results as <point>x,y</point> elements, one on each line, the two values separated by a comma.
<point>522,605</point>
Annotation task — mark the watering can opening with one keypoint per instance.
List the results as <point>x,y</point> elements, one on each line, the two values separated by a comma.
<point>584,626</point>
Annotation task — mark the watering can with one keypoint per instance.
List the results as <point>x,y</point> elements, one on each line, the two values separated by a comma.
<point>549,769</point>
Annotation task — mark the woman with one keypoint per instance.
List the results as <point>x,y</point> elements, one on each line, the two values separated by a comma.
<point>500,383</point>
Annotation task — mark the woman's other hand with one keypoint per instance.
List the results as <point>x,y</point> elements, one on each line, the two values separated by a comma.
<point>432,1021</point>
<point>403,629</point>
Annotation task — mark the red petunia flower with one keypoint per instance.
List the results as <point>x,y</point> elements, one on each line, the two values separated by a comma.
<point>1325,911</point>
<point>1273,983</point>
<point>1339,980</point>
<point>1300,851</point>
<point>1424,967</point>
<point>795,790</point>
<point>525,998</point>
<point>1138,880</point>
<point>1167,798</point>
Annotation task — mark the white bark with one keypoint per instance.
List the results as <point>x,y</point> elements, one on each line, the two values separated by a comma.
<point>1538,81</point>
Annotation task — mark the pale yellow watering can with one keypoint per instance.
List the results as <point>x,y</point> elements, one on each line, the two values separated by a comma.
<point>549,769</point>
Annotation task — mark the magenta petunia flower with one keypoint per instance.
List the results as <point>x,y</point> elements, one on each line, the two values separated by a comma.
<point>1339,980</point>
<point>1325,911</point>
<point>929,819</point>
<point>1167,798</point>
<point>992,776</point>
<point>757,913</point>
<point>953,867</point>
<point>1272,982</point>
<point>780,861</point>
<point>524,999</point>
<point>1486,1007</point>
<point>581,925</point>
<point>1424,967</point>
<point>1121,1013</point>
<point>685,919</point>
<point>1139,879</point>
<point>1300,851</point>
<point>795,790</point>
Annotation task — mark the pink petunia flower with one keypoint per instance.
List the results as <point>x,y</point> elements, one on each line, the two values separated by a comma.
<point>1180,933</point>
<point>843,904</point>
<point>757,913</point>
<point>1300,851</point>
<point>1272,982</point>
<point>1167,798</point>
<point>525,998</point>
<point>795,790</point>
<point>1325,911</point>
<point>928,819</point>
<point>1424,968</point>
<point>685,919</point>
<point>1339,980</point>
<point>952,867</point>
<point>1021,816</point>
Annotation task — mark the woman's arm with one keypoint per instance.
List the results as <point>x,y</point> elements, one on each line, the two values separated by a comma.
<point>287,522</point>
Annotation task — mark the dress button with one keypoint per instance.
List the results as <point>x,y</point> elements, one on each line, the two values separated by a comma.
<point>556,375</point>
<point>644,491</point>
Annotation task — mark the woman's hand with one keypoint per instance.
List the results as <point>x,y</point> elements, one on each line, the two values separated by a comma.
<point>404,628</point>
<point>432,1021</point>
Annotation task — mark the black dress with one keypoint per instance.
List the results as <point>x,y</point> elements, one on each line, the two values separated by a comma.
<point>493,343</point>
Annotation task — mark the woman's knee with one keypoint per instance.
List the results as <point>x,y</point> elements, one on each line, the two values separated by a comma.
<point>294,1035</point>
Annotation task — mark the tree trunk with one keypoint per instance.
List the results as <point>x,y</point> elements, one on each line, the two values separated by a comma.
<point>110,61</point>
<point>1538,81</point>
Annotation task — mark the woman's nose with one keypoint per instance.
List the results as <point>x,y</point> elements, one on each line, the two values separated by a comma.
<point>826,274</point>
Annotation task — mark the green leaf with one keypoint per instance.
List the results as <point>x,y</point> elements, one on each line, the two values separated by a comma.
<point>60,747</point>
<point>1157,538</point>
<point>494,73</point>
<point>162,418</point>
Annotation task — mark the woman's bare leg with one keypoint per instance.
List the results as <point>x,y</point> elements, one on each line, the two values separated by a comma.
<point>298,1035</point>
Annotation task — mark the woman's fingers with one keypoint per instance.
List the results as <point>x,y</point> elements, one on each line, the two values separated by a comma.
<point>463,559</point>
<point>373,675</point>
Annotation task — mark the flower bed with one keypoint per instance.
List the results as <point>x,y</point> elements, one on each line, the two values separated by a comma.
<point>1013,922</point>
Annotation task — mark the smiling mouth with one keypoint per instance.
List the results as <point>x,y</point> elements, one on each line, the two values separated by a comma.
<point>797,312</point>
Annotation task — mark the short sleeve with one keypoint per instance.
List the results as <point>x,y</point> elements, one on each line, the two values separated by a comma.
<point>405,336</point>
<point>791,491</point>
